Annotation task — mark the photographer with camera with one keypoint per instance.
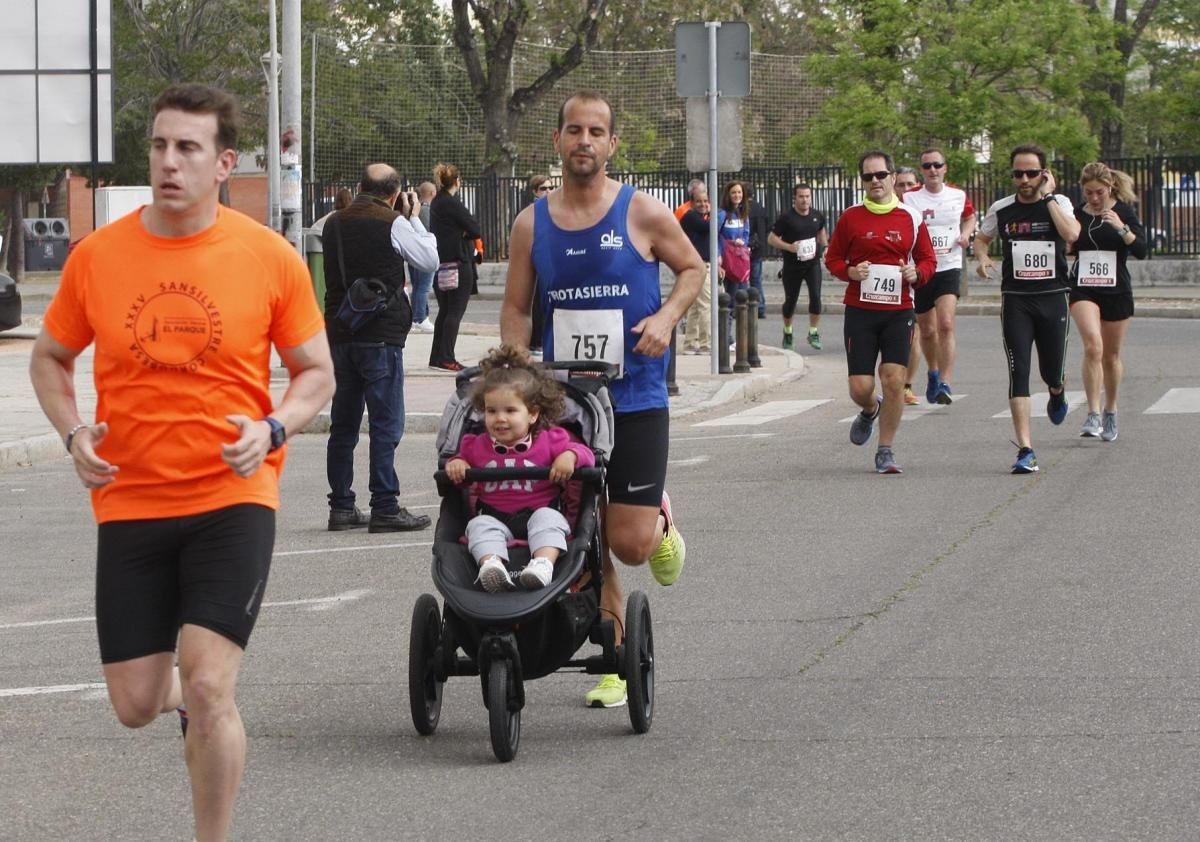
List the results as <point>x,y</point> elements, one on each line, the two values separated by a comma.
<point>367,319</point>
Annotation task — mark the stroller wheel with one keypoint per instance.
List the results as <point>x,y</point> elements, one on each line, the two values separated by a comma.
<point>504,716</point>
<point>637,661</point>
<point>424,688</point>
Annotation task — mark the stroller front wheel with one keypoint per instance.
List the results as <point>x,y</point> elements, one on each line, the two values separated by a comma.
<point>504,712</point>
<point>637,661</point>
<point>424,688</point>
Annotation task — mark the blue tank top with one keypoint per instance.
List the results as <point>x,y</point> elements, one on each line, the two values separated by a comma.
<point>599,269</point>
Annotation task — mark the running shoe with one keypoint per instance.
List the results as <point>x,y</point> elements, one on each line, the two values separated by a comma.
<point>1056,407</point>
<point>909,398</point>
<point>493,575</point>
<point>424,326</point>
<point>943,395</point>
<point>183,719</point>
<point>448,365</point>
<point>863,424</point>
<point>931,388</point>
<point>789,341</point>
<point>885,462</point>
<point>1026,462</point>
<point>667,561</point>
<point>537,574</point>
<point>1091,426</point>
<point>608,693</point>
<point>814,338</point>
<point>1109,431</point>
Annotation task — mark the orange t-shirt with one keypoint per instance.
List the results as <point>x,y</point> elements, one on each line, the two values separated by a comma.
<point>183,331</point>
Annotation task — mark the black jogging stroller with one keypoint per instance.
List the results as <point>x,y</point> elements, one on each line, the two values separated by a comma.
<point>511,637</point>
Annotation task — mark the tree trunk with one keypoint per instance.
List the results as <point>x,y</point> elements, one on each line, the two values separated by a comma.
<point>16,250</point>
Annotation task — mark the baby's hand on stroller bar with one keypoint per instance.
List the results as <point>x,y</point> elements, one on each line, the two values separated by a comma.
<point>563,466</point>
<point>456,469</point>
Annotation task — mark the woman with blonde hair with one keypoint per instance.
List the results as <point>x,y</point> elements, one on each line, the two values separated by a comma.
<point>456,231</point>
<point>1101,292</point>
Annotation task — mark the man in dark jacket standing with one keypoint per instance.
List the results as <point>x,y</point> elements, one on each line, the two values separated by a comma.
<point>371,239</point>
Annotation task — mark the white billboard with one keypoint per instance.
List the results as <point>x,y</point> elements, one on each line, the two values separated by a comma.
<point>46,74</point>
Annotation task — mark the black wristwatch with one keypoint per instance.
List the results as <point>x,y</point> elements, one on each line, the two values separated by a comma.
<point>1048,198</point>
<point>278,434</point>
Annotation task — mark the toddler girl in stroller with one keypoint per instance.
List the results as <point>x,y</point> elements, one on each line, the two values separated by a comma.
<point>520,404</point>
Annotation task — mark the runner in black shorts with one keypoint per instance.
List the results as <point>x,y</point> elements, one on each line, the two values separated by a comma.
<point>637,467</point>
<point>1034,226</point>
<point>881,249</point>
<point>1101,291</point>
<point>153,576</point>
<point>800,234</point>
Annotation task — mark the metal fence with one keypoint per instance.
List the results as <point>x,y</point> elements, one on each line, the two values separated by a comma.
<point>1168,199</point>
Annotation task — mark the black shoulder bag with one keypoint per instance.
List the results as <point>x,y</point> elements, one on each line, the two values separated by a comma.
<point>365,298</point>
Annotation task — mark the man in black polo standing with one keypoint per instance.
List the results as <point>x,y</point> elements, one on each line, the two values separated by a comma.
<point>371,239</point>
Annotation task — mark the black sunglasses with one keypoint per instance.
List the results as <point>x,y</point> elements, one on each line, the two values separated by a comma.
<point>875,176</point>
<point>933,165</point>
<point>541,188</point>
<point>1026,173</point>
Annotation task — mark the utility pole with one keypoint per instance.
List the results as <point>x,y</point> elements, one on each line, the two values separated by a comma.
<point>270,63</point>
<point>291,191</point>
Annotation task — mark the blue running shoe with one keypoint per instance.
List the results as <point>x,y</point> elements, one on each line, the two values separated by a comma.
<point>885,462</point>
<point>863,424</point>
<point>931,390</point>
<point>943,394</point>
<point>1056,407</point>
<point>1026,462</point>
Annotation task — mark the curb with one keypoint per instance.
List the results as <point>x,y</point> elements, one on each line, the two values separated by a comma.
<point>25,453</point>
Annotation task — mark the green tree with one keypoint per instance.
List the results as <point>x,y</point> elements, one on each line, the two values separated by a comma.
<point>24,181</point>
<point>970,76</point>
<point>1161,110</point>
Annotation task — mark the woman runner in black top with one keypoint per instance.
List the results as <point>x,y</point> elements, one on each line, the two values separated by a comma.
<point>1101,292</point>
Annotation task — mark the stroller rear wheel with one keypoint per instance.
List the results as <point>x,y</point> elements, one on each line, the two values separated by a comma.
<point>504,714</point>
<point>424,688</point>
<point>637,661</point>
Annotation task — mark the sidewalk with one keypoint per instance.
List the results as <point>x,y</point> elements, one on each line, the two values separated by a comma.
<point>26,438</point>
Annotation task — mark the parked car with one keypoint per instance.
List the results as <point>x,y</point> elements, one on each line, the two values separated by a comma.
<point>10,303</point>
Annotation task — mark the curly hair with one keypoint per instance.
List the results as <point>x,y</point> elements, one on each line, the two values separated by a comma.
<point>511,367</point>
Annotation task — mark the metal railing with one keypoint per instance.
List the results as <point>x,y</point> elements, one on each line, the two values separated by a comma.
<point>1168,198</point>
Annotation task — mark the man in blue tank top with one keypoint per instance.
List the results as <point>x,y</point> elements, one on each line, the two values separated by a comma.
<point>591,251</point>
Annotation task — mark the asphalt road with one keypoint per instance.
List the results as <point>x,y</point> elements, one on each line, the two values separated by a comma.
<point>955,653</point>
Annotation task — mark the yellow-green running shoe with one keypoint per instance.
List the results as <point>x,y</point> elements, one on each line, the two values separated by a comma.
<point>608,693</point>
<point>667,562</point>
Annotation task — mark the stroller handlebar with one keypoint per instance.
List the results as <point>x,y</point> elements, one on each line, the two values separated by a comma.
<point>590,474</point>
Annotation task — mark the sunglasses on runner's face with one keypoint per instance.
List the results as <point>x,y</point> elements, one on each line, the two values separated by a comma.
<point>933,165</point>
<point>1027,173</point>
<point>875,176</point>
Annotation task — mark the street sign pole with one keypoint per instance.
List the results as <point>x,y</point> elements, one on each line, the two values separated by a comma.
<point>714,247</point>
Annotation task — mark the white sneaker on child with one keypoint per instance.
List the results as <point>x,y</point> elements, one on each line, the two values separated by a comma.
<point>537,574</point>
<point>493,575</point>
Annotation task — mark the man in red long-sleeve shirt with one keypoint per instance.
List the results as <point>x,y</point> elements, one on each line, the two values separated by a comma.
<point>881,249</point>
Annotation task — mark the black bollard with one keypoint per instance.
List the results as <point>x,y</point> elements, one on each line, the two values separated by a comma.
<point>672,386</point>
<point>741,318</point>
<point>723,334</point>
<point>752,356</point>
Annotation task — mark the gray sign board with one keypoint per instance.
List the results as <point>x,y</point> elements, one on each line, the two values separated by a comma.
<point>45,81</point>
<point>733,59</point>
<point>729,134</point>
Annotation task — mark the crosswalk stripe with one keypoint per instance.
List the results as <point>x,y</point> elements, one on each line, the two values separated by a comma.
<point>1037,404</point>
<point>764,413</point>
<point>917,410</point>
<point>1182,400</point>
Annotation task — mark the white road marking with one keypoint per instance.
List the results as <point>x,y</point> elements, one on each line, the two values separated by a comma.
<point>1037,404</point>
<point>728,436</point>
<point>1184,400</point>
<point>764,413</point>
<point>47,623</point>
<point>695,460</point>
<point>915,411</point>
<point>355,549</point>
<point>54,688</point>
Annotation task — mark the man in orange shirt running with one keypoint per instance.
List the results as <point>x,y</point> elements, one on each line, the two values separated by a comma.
<point>183,300</point>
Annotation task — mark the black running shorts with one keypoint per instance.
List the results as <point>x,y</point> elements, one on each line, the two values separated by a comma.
<point>637,468</point>
<point>870,335</point>
<point>1114,306</point>
<point>1034,320</point>
<point>152,576</point>
<point>948,282</point>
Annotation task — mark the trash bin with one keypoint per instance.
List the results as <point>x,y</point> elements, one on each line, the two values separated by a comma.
<point>316,262</point>
<point>46,242</point>
<point>10,303</point>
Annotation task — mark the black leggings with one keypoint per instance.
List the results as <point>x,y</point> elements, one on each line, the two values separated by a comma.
<point>793,275</point>
<point>1035,319</point>
<point>452,305</point>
